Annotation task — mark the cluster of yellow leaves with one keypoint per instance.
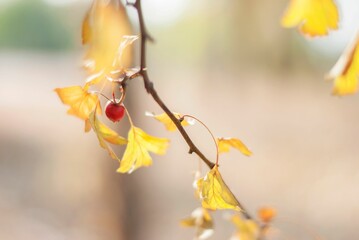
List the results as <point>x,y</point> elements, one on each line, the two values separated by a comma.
<point>224,145</point>
<point>345,73</point>
<point>202,221</point>
<point>138,148</point>
<point>214,192</point>
<point>313,17</point>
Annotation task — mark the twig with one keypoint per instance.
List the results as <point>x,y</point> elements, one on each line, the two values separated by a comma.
<point>151,90</point>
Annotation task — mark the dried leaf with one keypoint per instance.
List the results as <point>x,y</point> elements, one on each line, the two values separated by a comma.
<point>345,73</point>
<point>224,145</point>
<point>246,229</point>
<point>165,119</point>
<point>266,214</point>
<point>202,221</point>
<point>313,17</point>
<point>215,194</point>
<point>138,148</point>
<point>106,135</point>
<point>80,101</point>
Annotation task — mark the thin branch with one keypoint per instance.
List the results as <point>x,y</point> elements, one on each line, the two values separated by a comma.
<point>151,90</point>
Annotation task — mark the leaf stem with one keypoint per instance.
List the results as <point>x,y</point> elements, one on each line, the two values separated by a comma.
<point>210,132</point>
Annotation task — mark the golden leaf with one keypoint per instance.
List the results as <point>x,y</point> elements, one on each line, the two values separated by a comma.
<point>224,145</point>
<point>313,17</point>
<point>345,72</point>
<point>202,221</point>
<point>215,194</point>
<point>105,27</point>
<point>266,214</point>
<point>165,119</point>
<point>80,101</point>
<point>138,148</point>
<point>86,28</point>
<point>106,135</point>
<point>246,229</point>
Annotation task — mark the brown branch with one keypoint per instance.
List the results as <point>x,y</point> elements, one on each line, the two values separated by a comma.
<point>151,90</point>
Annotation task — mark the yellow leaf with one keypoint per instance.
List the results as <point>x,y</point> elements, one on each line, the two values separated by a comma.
<point>80,101</point>
<point>105,27</point>
<point>313,17</point>
<point>86,28</point>
<point>215,194</point>
<point>165,119</point>
<point>266,214</point>
<point>106,135</point>
<point>345,73</point>
<point>138,148</point>
<point>224,145</point>
<point>202,221</point>
<point>246,229</point>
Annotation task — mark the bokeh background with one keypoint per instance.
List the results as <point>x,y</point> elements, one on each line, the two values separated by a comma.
<point>228,63</point>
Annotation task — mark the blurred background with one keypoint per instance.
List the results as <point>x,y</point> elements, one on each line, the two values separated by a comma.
<point>227,62</point>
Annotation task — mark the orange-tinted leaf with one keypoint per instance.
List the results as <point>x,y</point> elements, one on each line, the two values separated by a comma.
<point>138,148</point>
<point>345,73</point>
<point>313,17</point>
<point>165,119</point>
<point>80,101</point>
<point>106,135</point>
<point>266,214</point>
<point>246,229</point>
<point>202,221</point>
<point>215,194</point>
<point>224,145</point>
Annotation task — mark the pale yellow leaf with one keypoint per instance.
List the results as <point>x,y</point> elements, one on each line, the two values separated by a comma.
<point>246,229</point>
<point>105,30</point>
<point>313,17</point>
<point>165,119</point>
<point>80,101</point>
<point>224,145</point>
<point>215,194</point>
<point>202,221</point>
<point>345,73</point>
<point>138,148</point>
<point>106,135</point>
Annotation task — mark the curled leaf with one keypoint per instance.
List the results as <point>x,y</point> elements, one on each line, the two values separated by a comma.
<point>137,152</point>
<point>345,72</point>
<point>80,101</point>
<point>266,214</point>
<point>215,194</point>
<point>224,145</point>
<point>165,119</point>
<point>202,221</point>
<point>106,135</point>
<point>313,17</point>
<point>245,229</point>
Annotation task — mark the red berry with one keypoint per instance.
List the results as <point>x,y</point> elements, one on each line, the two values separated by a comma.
<point>114,111</point>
